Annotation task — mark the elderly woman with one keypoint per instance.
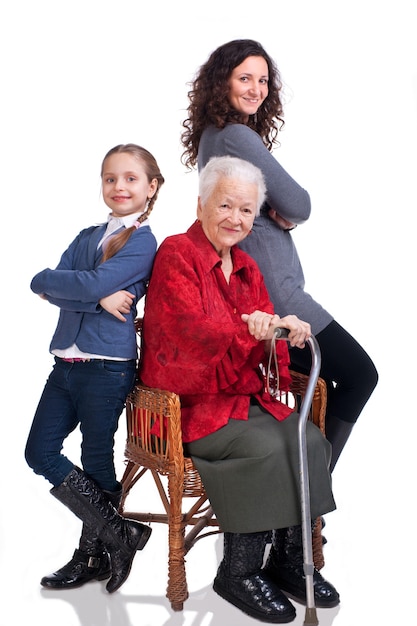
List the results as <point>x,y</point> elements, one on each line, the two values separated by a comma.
<point>208,322</point>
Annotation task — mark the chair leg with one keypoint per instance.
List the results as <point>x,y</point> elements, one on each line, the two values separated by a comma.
<point>177,590</point>
<point>126,481</point>
<point>317,539</point>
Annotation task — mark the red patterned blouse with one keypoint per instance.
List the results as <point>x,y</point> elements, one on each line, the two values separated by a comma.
<point>194,340</point>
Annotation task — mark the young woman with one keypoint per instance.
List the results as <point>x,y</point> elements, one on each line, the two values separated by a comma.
<point>96,285</point>
<point>235,109</point>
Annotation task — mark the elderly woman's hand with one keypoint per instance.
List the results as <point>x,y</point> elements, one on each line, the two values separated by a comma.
<point>262,325</point>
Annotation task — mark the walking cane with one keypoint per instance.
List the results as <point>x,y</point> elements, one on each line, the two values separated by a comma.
<point>311,613</point>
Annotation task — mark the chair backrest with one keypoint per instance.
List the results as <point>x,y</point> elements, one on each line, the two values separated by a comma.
<point>154,433</point>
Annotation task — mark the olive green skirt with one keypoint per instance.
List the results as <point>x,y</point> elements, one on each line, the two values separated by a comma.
<point>250,470</point>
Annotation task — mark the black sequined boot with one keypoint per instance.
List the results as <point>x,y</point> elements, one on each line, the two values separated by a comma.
<point>122,537</point>
<point>241,581</point>
<point>285,565</point>
<point>90,560</point>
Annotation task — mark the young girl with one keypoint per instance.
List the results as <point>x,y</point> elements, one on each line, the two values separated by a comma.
<point>96,285</point>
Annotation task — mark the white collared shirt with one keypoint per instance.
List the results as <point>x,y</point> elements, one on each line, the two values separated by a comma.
<point>114,223</point>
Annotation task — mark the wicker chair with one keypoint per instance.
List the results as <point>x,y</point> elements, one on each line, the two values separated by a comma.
<point>177,479</point>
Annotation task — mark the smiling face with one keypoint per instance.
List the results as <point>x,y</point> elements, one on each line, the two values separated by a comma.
<point>125,185</point>
<point>228,214</point>
<point>248,86</point>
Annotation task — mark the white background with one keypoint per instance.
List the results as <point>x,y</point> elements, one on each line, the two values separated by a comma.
<point>80,77</point>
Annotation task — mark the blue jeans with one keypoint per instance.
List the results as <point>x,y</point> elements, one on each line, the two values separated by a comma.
<point>91,394</point>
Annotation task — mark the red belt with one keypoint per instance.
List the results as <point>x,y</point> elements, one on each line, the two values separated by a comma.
<point>79,360</point>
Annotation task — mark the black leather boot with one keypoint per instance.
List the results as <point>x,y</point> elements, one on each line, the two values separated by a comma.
<point>285,565</point>
<point>122,537</point>
<point>241,581</point>
<point>337,432</point>
<point>90,560</point>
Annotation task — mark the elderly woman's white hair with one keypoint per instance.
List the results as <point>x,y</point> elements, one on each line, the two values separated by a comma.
<point>230,167</point>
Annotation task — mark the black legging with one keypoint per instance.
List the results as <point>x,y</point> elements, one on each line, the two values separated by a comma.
<point>349,373</point>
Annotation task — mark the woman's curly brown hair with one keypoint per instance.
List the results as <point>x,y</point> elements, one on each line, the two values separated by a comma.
<point>209,102</point>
